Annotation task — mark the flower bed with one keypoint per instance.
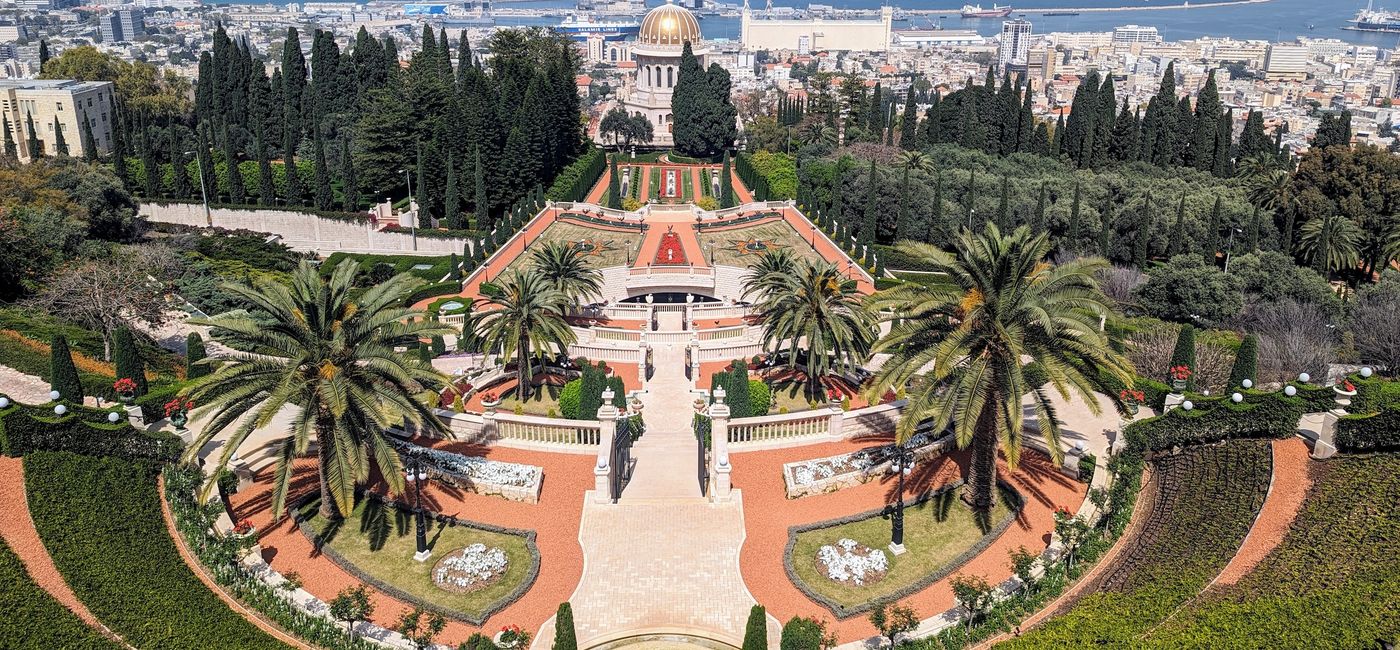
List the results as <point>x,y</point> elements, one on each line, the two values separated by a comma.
<point>670,252</point>
<point>512,481</point>
<point>471,568</point>
<point>850,562</point>
<point>832,473</point>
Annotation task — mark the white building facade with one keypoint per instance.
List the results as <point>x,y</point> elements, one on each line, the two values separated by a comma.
<point>664,32</point>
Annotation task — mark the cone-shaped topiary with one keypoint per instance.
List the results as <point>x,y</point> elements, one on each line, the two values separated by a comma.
<point>1184,354</point>
<point>194,352</point>
<point>128,359</point>
<point>564,636</point>
<point>63,375</point>
<point>1245,359</point>
<point>756,632</point>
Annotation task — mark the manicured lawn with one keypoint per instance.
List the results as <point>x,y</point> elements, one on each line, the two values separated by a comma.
<point>379,540</point>
<point>100,519</point>
<point>606,247</point>
<point>935,533</point>
<point>793,395</point>
<point>729,244</point>
<point>543,401</point>
<point>33,619</point>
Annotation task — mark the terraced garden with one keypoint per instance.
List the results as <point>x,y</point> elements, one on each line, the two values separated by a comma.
<point>1332,583</point>
<point>733,247</point>
<point>25,604</point>
<point>1203,502</point>
<point>602,248</point>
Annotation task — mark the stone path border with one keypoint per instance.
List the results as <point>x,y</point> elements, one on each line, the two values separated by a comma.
<point>199,571</point>
<point>17,529</point>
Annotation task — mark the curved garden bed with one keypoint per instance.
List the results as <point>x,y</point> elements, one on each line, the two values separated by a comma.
<point>376,542</point>
<point>941,535</point>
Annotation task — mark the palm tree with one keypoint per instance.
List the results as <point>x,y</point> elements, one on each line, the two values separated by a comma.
<point>819,133</point>
<point>771,271</point>
<point>567,271</point>
<point>994,301</point>
<point>1331,243</point>
<point>315,347</point>
<point>527,313</point>
<point>814,313</point>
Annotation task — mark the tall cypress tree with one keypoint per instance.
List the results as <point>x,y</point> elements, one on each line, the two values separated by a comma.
<point>870,209</point>
<point>726,184</point>
<point>149,164</point>
<point>1205,126</point>
<point>1212,239</point>
<point>63,375</point>
<point>1075,227</point>
<point>194,353</point>
<point>127,358</point>
<point>936,218</point>
<point>909,128</point>
<point>35,150</point>
<point>236,192</point>
<point>1177,241</point>
<point>1004,207</point>
<point>614,185</point>
<point>1057,145</point>
<point>1106,223</point>
<point>756,629</point>
<point>1161,121</point>
<point>90,152</point>
<point>44,55</point>
<point>1144,233</point>
<point>565,637</point>
<point>267,189</point>
<point>325,198</point>
<point>289,167</point>
<point>349,183</point>
<point>1223,167</point>
<point>11,147</point>
<point>60,144</point>
<point>480,201</point>
<point>971,198</point>
<point>1039,224</point>
<point>1252,240</point>
<point>179,169</point>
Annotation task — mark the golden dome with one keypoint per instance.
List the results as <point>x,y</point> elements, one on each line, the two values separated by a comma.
<point>669,25</point>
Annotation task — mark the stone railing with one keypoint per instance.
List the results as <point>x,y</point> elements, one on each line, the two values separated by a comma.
<point>523,431</point>
<point>611,334</point>
<point>827,424</point>
<point>720,311</point>
<point>669,337</point>
<point>722,333</point>
<point>618,353</point>
<point>727,353</point>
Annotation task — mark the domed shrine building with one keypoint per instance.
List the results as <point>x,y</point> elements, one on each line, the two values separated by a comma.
<point>664,32</point>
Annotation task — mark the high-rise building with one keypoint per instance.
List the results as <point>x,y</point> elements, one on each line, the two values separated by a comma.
<point>1286,62</point>
<point>1015,42</point>
<point>53,106</point>
<point>1130,34</point>
<point>123,25</point>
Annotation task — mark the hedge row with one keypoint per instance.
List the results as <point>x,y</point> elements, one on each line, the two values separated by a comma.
<point>100,519</point>
<point>440,266</point>
<point>353,217</point>
<point>574,181</point>
<point>33,619</point>
<point>25,430</point>
<point>438,233</point>
<point>1369,432</point>
<point>1260,415</point>
<point>433,290</point>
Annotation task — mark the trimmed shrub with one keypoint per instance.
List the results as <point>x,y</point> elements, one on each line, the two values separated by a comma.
<point>619,391</point>
<point>760,398</point>
<point>128,359</point>
<point>439,346</point>
<point>1245,361</point>
<point>1261,415</point>
<point>100,519</point>
<point>565,638</point>
<point>574,181</point>
<point>1184,354</point>
<point>756,631</point>
<point>802,634</point>
<point>63,375</point>
<point>195,352</point>
<point>33,619</point>
<point>432,291</point>
<point>569,399</point>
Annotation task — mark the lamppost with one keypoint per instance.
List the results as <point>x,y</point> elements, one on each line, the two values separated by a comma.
<point>203,193</point>
<point>904,459</point>
<point>413,220</point>
<point>416,474</point>
<point>1229,247</point>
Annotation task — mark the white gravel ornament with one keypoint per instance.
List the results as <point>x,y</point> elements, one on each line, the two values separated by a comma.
<point>851,562</point>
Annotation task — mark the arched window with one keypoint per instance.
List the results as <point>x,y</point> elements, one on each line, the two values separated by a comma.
<point>646,74</point>
<point>670,77</point>
<point>658,76</point>
<point>669,121</point>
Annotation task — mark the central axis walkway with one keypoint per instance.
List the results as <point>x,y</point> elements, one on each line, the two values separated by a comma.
<point>664,559</point>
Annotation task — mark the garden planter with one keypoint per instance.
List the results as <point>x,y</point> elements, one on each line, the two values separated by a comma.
<point>179,420</point>
<point>1344,396</point>
<point>1132,408</point>
<point>1178,385</point>
<point>126,398</point>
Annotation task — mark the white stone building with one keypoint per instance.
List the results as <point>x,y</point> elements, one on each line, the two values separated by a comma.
<point>57,104</point>
<point>657,52</point>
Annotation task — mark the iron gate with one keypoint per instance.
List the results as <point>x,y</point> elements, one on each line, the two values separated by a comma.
<point>621,457</point>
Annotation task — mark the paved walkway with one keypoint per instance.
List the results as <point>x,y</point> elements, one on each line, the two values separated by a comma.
<point>1287,490</point>
<point>666,463</point>
<point>23,387</point>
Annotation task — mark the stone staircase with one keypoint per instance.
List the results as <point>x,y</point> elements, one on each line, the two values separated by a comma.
<point>666,463</point>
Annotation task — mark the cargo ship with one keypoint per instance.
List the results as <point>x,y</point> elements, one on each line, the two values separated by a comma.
<point>578,27</point>
<point>1376,20</point>
<point>976,11</point>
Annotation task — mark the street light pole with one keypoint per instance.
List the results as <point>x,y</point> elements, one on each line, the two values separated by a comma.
<point>902,456</point>
<point>203,193</point>
<point>418,475</point>
<point>413,220</point>
<point>1229,247</point>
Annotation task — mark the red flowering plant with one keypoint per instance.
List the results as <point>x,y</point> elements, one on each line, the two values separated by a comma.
<point>125,385</point>
<point>514,637</point>
<point>489,397</point>
<point>178,405</point>
<point>1180,373</point>
<point>1348,386</point>
<point>243,527</point>
<point>1131,396</point>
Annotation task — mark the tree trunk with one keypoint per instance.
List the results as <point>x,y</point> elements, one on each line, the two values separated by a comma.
<point>522,372</point>
<point>328,510</point>
<point>982,471</point>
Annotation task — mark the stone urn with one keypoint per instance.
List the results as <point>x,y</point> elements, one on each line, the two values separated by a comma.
<point>1344,394</point>
<point>1178,385</point>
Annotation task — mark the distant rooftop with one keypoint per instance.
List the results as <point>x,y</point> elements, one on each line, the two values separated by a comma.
<point>51,84</point>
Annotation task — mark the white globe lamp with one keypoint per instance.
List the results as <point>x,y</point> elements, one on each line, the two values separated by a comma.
<point>1304,377</point>
<point>1290,390</point>
<point>60,409</point>
<point>1236,398</point>
<point>1188,405</point>
<point>4,402</point>
<point>1248,383</point>
<point>113,417</point>
<point>1366,372</point>
<point>54,395</point>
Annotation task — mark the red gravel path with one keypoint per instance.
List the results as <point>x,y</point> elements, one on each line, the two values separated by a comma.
<point>1287,491</point>
<point>17,529</point>
<point>768,514</point>
<point>555,520</point>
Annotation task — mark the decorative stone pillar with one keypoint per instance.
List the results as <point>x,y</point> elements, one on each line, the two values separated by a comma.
<point>694,346</point>
<point>603,469</point>
<point>642,366</point>
<point>836,421</point>
<point>719,447</point>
